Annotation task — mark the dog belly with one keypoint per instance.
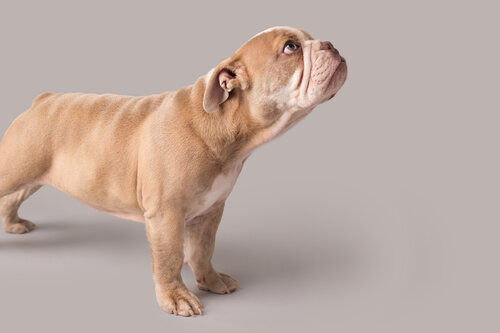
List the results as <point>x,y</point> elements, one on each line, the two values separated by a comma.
<point>103,190</point>
<point>112,206</point>
<point>124,215</point>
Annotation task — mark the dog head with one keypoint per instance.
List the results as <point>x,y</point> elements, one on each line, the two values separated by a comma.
<point>279,70</point>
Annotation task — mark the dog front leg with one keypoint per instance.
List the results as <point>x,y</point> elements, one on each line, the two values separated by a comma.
<point>199,247</point>
<point>165,235</point>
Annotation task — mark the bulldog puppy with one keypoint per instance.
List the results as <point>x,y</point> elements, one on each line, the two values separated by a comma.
<point>169,160</point>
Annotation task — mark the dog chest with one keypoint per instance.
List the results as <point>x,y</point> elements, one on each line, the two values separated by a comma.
<point>218,191</point>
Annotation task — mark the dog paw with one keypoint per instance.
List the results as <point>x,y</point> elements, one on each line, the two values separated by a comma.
<point>218,283</point>
<point>20,227</point>
<point>180,301</point>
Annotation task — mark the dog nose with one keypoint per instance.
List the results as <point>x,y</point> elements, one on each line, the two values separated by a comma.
<point>326,46</point>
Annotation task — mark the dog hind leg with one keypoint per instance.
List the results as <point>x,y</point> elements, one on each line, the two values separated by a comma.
<point>23,160</point>
<point>9,206</point>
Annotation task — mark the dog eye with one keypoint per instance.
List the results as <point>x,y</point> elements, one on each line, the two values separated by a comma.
<point>290,47</point>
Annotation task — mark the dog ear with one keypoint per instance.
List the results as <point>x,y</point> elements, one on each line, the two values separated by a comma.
<point>221,81</point>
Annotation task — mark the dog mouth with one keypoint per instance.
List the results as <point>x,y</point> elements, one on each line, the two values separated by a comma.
<point>324,77</point>
<point>338,78</point>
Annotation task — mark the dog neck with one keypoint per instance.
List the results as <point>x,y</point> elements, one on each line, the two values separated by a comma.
<point>229,133</point>
<point>225,132</point>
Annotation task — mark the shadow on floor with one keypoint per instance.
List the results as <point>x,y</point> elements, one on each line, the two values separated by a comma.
<point>252,261</point>
<point>61,235</point>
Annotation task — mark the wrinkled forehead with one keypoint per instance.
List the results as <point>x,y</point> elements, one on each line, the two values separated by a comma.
<point>266,43</point>
<point>276,31</point>
<point>268,38</point>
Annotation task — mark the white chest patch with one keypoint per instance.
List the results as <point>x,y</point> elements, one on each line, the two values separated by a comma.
<point>219,190</point>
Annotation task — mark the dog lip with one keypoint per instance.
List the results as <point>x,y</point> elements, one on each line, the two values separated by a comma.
<point>332,78</point>
<point>335,72</point>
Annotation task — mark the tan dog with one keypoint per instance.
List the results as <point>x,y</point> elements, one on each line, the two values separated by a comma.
<point>169,160</point>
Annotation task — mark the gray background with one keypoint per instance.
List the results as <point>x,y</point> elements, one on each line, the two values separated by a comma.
<point>378,213</point>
